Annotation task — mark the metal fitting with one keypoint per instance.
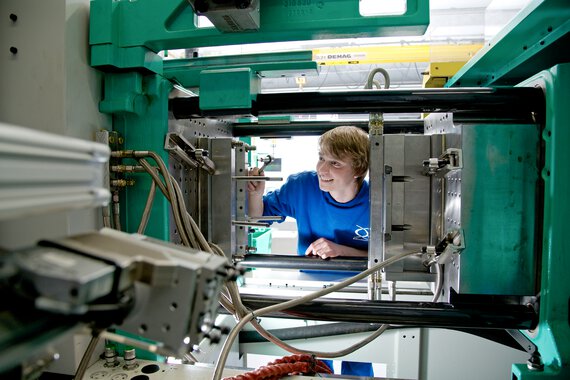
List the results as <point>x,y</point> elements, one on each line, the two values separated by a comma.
<point>122,182</point>
<point>111,357</point>
<point>130,359</point>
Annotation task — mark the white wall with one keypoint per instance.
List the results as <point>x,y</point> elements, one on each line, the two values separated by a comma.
<point>48,85</point>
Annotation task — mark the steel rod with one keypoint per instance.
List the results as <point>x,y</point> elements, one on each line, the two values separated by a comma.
<point>301,128</point>
<point>513,103</point>
<point>304,262</point>
<point>483,315</point>
<point>507,100</point>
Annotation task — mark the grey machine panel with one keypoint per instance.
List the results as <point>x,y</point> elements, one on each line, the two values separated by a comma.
<point>408,204</point>
<point>492,201</point>
<point>196,183</point>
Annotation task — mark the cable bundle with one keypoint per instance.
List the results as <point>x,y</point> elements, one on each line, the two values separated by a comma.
<point>230,298</point>
<point>288,365</point>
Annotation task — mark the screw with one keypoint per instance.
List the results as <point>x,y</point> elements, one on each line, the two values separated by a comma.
<point>13,50</point>
<point>535,363</point>
<point>13,17</point>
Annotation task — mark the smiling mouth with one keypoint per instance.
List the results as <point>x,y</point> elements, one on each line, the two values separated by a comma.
<point>325,180</point>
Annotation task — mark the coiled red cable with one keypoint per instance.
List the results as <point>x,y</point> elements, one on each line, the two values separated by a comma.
<point>303,364</point>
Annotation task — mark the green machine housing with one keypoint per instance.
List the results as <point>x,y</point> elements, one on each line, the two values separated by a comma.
<point>514,180</point>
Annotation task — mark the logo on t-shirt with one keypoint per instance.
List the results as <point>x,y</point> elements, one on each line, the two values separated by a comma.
<point>361,233</point>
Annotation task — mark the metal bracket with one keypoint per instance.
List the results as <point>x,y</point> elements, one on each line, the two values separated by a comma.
<point>451,159</point>
<point>197,158</point>
<point>534,363</point>
<point>453,243</point>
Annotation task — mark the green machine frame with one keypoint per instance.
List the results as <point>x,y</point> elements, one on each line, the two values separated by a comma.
<point>533,50</point>
<point>127,36</point>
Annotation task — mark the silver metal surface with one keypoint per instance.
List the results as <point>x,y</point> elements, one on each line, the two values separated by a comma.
<point>195,184</point>
<point>394,157</point>
<point>147,369</point>
<point>176,288</point>
<point>63,281</point>
<point>378,204</point>
<point>222,201</point>
<point>446,191</point>
<point>177,144</point>
<point>241,231</point>
<point>499,162</point>
<point>41,172</point>
<point>257,178</point>
<point>452,201</point>
<point>410,205</point>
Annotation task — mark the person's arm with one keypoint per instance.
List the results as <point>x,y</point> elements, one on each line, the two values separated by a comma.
<point>326,249</point>
<point>255,190</point>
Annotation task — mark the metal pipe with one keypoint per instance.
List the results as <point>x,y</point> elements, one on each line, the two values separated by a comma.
<point>514,100</point>
<point>341,328</point>
<point>304,262</point>
<point>308,332</point>
<point>370,80</point>
<point>249,223</point>
<point>300,128</point>
<point>378,209</point>
<point>428,314</point>
<point>255,178</point>
<point>512,103</point>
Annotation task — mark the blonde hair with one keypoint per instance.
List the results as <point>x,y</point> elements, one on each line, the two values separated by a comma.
<point>348,142</point>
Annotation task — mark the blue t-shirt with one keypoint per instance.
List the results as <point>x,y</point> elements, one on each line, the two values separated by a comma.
<point>318,215</point>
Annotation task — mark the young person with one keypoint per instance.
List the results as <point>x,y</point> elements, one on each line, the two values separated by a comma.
<point>331,205</point>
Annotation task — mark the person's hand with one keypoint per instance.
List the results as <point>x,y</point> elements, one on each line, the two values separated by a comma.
<point>324,249</point>
<point>255,187</point>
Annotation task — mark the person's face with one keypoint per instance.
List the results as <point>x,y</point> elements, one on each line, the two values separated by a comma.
<point>335,175</point>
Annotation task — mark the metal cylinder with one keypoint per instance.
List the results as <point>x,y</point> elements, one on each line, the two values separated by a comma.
<point>304,262</point>
<point>428,314</point>
<point>522,104</point>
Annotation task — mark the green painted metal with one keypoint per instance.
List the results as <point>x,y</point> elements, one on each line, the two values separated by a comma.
<point>552,336</point>
<point>125,58</point>
<point>186,72</point>
<point>124,94</point>
<point>170,24</point>
<point>536,39</point>
<point>228,89</point>
<point>498,194</point>
<point>139,105</point>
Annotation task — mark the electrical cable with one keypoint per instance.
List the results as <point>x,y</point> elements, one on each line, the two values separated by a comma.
<point>230,298</point>
<point>291,303</point>
<point>171,192</point>
<point>280,343</point>
<point>371,75</point>
<point>288,365</point>
<point>84,363</point>
<point>322,354</point>
<point>147,208</point>
<point>236,307</point>
<point>168,192</point>
<point>152,172</point>
<point>183,212</point>
<point>438,281</point>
